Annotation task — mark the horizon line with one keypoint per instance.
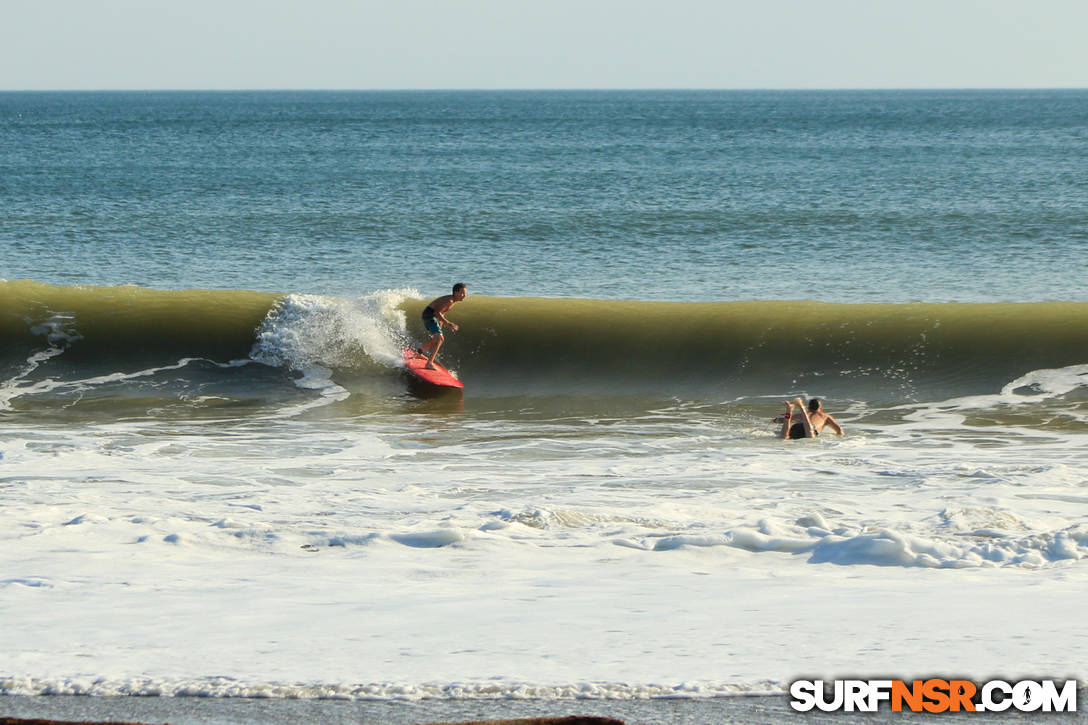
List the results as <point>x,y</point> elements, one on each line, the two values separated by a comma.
<point>602,89</point>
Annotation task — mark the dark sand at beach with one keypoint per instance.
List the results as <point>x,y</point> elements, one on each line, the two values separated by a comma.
<point>751,710</point>
<point>573,720</point>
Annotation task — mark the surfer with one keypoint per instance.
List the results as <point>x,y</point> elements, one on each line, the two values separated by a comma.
<point>813,419</point>
<point>434,316</point>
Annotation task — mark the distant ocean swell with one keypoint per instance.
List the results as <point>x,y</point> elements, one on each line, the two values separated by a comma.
<point>544,346</point>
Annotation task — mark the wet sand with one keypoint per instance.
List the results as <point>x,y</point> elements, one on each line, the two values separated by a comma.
<point>751,710</point>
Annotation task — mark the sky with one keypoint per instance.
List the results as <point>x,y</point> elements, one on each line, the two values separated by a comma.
<point>541,44</point>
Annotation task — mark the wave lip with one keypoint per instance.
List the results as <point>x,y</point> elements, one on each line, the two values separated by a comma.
<point>873,352</point>
<point>315,335</point>
<point>549,347</point>
<point>128,323</point>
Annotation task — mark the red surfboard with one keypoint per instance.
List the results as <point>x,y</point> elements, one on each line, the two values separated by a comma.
<point>416,365</point>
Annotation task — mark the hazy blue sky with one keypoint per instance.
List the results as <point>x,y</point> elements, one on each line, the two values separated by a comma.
<point>229,44</point>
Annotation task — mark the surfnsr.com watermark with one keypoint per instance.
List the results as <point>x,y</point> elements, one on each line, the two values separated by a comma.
<point>934,695</point>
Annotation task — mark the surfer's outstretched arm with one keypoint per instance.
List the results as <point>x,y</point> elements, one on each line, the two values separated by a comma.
<point>834,425</point>
<point>442,318</point>
<point>787,421</point>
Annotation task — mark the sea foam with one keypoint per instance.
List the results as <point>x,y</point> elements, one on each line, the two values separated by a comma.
<point>314,335</point>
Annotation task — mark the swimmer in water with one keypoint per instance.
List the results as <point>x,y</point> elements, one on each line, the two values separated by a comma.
<point>812,420</point>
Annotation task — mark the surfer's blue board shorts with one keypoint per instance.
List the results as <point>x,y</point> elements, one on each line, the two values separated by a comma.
<point>430,323</point>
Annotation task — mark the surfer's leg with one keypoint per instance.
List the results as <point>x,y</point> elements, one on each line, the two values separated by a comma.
<point>435,329</point>
<point>437,340</point>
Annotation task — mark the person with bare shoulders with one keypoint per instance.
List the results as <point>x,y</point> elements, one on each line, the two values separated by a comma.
<point>434,316</point>
<point>812,420</point>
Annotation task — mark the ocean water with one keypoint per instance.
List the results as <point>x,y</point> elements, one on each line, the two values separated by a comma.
<point>216,479</point>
